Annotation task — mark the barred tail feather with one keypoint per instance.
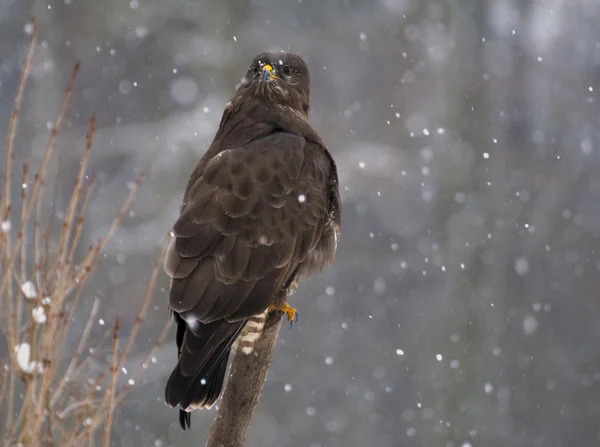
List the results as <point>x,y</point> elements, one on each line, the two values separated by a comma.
<point>251,333</point>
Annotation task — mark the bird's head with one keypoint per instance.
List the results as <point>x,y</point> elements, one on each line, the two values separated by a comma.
<point>280,78</point>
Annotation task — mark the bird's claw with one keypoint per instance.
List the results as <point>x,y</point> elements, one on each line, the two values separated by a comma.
<point>292,314</point>
<point>294,319</point>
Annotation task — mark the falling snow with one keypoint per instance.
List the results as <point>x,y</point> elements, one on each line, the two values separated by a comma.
<point>530,325</point>
<point>184,90</point>
<point>521,266</point>
<point>468,257</point>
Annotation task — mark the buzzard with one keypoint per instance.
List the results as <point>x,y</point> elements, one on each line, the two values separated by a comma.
<point>261,211</point>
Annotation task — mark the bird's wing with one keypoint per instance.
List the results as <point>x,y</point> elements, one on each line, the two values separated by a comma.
<point>254,215</point>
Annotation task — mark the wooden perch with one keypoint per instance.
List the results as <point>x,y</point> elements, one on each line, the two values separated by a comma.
<point>243,388</point>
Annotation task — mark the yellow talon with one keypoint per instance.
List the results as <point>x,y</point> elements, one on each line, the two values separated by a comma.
<point>291,313</point>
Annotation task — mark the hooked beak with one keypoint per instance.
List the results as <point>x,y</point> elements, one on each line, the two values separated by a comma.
<point>267,73</point>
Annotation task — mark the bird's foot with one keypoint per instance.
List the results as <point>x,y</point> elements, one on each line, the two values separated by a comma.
<point>292,314</point>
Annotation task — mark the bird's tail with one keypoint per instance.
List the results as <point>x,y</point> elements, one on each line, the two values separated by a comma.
<point>197,380</point>
<point>204,392</point>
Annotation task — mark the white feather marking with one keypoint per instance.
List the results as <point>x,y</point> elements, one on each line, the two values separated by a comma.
<point>251,333</point>
<point>262,316</point>
<point>251,337</point>
<point>193,407</point>
<point>255,324</point>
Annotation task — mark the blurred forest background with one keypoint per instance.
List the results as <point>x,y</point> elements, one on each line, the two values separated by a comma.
<point>462,309</point>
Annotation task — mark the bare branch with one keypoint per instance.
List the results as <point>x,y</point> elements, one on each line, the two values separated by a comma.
<point>243,388</point>
<point>14,119</point>
<point>53,409</point>
<point>114,372</point>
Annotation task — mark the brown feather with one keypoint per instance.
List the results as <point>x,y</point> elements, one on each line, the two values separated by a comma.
<point>232,267</point>
<point>177,266</point>
<point>205,240</point>
<point>234,206</point>
<point>186,291</point>
<point>244,234</point>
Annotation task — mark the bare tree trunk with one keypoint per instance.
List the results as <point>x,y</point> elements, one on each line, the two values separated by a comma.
<point>243,388</point>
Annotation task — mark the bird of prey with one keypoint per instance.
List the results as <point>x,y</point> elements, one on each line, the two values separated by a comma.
<point>261,211</point>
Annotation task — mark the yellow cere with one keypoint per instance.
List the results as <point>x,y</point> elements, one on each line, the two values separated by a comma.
<point>269,68</point>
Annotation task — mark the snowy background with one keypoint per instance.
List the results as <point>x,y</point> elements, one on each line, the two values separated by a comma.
<point>463,306</point>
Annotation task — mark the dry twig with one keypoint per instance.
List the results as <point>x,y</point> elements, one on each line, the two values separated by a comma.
<point>243,389</point>
<point>41,285</point>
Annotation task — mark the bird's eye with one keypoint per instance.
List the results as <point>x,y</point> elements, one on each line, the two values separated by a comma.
<point>255,69</point>
<point>287,70</point>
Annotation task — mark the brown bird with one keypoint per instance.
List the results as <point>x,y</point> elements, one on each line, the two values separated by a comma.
<point>260,212</point>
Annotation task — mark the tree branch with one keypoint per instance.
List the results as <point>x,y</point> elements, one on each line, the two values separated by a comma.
<point>243,388</point>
